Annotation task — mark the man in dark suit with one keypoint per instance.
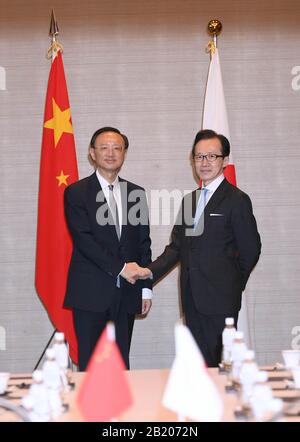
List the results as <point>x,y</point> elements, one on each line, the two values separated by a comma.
<point>217,247</point>
<point>108,221</point>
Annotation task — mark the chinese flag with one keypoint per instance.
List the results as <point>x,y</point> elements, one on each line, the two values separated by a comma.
<point>105,393</point>
<point>58,169</point>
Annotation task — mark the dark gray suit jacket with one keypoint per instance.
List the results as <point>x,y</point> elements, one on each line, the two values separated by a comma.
<point>98,255</point>
<point>216,264</point>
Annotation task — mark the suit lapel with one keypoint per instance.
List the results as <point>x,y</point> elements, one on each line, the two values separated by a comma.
<point>96,199</point>
<point>126,187</point>
<point>216,199</point>
<point>212,204</point>
<point>93,189</point>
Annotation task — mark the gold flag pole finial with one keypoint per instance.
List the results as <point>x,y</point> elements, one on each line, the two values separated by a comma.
<point>53,32</point>
<point>214,28</point>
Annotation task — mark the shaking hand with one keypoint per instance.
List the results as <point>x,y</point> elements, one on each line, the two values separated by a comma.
<point>133,271</point>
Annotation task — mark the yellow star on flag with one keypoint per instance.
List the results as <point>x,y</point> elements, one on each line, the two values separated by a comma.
<point>60,122</point>
<point>62,179</point>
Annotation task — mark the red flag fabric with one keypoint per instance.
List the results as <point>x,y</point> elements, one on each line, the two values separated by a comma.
<point>104,393</point>
<point>58,169</point>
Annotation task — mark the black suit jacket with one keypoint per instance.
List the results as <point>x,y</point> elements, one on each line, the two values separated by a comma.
<point>216,264</point>
<point>98,255</point>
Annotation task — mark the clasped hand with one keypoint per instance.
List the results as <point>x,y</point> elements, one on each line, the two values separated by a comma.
<point>132,272</point>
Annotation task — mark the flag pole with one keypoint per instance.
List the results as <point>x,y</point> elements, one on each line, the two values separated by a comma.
<point>220,125</point>
<point>53,33</point>
<point>51,53</point>
<point>214,28</point>
<point>44,351</point>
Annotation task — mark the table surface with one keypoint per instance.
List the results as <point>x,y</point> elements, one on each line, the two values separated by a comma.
<point>147,388</point>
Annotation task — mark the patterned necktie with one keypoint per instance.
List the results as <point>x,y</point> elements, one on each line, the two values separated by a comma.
<point>201,205</point>
<point>114,209</point>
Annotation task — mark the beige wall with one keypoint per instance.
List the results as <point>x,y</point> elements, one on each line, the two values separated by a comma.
<point>141,66</point>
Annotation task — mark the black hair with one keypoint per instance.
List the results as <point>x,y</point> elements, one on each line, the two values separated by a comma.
<point>208,134</point>
<point>108,129</point>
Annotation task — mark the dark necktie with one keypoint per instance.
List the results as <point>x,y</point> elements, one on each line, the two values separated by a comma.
<point>114,209</point>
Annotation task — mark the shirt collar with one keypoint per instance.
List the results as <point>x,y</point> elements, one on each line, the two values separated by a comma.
<point>104,183</point>
<point>211,187</point>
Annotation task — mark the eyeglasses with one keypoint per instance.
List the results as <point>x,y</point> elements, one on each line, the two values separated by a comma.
<point>104,147</point>
<point>210,157</point>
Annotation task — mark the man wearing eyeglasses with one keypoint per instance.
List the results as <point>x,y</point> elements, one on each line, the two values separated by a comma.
<point>217,247</point>
<point>101,283</point>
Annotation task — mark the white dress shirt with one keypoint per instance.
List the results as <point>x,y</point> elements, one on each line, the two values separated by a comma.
<point>212,187</point>
<point>146,293</point>
<point>117,194</point>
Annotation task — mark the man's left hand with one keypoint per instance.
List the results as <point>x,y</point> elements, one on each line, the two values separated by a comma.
<point>146,305</point>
